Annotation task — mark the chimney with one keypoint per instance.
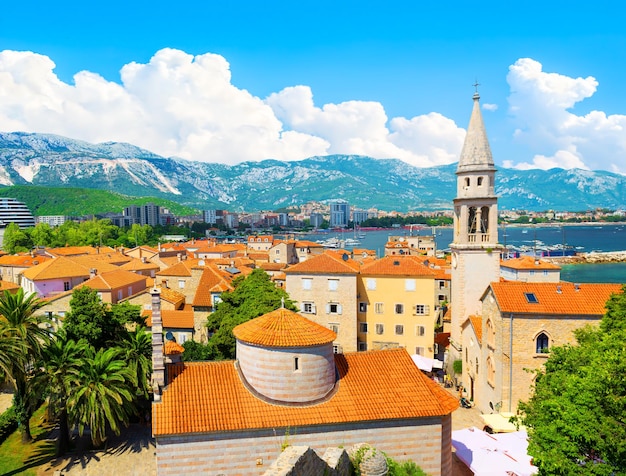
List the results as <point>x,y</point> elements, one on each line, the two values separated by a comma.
<point>576,287</point>
<point>179,257</point>
<point>558,290</point>
<point>93,272</point>
<point>158,361</point>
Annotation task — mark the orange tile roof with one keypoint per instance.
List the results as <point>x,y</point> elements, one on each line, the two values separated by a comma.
<point>136,264</point>
<point>272,266</point>
<point>477,324</point>
<point>78,250</point>
<point>181,268</point>
<point>172,347</point>
<point>397,266</point>
<point>212,280</point>
<point>25,261</point>
<point>179,319</point>
<point>63,267</point>
<point>583,299</point>
<point>283,328</point>
<point>377,385</point>
<point>307,244</point>
<point>325,263</point>
<point>114,279</point>
<point>8,286</point>
<point>174,297</point>
<point>527,263</point>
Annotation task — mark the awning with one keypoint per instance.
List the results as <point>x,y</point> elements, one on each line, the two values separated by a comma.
<point>493,455</point>
<point>426,364</point>
<point>499,422</point>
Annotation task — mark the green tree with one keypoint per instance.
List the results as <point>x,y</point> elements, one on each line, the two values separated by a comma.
<point>41,235</point>
<point>576,414</point>
<point>18,321</point>
<point>62,361</point>
<point>91,319</point>
<point>252,296</point>
<point>104,396</point>
<point>196,351</point>
<point>15,240</point>
<point>136,347</point>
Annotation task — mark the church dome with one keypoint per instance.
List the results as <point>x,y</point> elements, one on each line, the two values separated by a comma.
<point>285,357</point>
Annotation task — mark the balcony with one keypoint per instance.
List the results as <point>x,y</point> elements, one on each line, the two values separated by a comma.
<point>478,237</point>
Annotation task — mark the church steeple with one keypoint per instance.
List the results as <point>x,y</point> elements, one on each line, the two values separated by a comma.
<point>476,153</point>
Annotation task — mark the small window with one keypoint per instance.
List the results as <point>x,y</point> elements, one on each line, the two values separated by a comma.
<point>181,283</point>
<point>399,308</point>
<point>333,326</point>
<point>130,290</point>
<point>467,181</point>
<point>333,308</point>
<point>420,331</point>
<point>371,284</point>
<point>307,283</point>
<point>333,284</point>
<point>362,346</point>
<point>363,327</point>
<point>419,350</point>
<point>442,284</point>
<point>380,329</point>
<point>119,295</point>
<point>362,307</point>
<point>296,364</point>
<point>66,285</point>
<point>379,308</point>
<point>422,309</point>
<point>531,298</point>
<point>308,308</point>
<point>277,252</point>
<point>476,365</point>
<point>479,182</point>
<point>399,329</point>
<point>182,338</point>
<point>542,343</point>
<point>409,285</point>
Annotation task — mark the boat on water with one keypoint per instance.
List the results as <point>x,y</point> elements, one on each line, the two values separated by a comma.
<point>351,242</point>
<point>333,242</point>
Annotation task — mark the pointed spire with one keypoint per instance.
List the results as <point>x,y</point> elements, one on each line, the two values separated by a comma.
<point>476,153</point>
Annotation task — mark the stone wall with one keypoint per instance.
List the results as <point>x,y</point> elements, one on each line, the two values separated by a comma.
<point>252,452</point>
<point>299,460</point>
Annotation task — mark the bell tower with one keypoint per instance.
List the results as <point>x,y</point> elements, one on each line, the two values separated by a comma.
<point>475,249</point>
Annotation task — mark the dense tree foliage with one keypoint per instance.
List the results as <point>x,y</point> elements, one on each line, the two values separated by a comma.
<point>252,296</point>
<point>576,414</point>
<point>389,221</point>
<point>91,319</point>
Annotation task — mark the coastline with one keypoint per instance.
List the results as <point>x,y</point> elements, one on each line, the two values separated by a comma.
<point>594,257</point>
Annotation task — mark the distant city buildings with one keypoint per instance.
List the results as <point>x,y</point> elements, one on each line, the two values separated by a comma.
<point>53,220</point>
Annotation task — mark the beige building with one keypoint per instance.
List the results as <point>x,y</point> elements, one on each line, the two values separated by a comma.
<point>396,305</point>
<point>519,325</point>
<point>530,269</point>
<point>325,289</point>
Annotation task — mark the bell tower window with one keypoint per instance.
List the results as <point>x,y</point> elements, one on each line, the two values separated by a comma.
<point>479,181</point>
<point>467,182</point>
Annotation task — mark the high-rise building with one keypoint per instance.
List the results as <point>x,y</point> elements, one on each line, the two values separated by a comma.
<point>14,211</point>
<point>339,213</point>
<point>148,214</point>
<point>213,217</point>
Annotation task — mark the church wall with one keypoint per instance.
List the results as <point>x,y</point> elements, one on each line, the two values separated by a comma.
<point>238,453</point>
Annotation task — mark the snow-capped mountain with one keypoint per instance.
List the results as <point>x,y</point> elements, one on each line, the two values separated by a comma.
<point>50,160</point>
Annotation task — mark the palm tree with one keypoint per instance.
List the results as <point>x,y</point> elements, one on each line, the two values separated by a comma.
<point>104,395</point>
<point>62,361</point>
<point>137,349</point>
<point>18,321</point>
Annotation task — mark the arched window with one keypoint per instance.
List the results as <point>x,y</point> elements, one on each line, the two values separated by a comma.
<point>491,372</point>
<point>491,334</point>
<point>471,220</point>
<point>542,343</point>
<point>480,181</point>
<point>484,220</point>
<point>476,365</point>
<point>467,181</point>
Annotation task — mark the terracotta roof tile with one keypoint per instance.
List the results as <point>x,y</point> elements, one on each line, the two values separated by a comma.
<point>397,266</point>
<point>553,298</point>
<point>23,261</point>
<point>477,324</point>
<point>527,263</point>
<point>373,386</point>
<point>325,263</point>
<point>212,281</point>
<point>172,348</point>
<point>136,264</point>
<point>283,328</point>
<point>180,268</point>
<point>63,267</point>
<point>179,319</point>
<point>78,250</point>
<point>114,279</point>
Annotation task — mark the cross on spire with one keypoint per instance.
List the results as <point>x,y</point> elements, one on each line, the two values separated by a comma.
<point>476,84</point>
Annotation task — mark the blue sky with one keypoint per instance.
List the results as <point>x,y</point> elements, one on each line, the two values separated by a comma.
<point>233,81</point>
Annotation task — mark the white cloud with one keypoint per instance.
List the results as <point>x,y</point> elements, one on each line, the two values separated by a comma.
<point>186,106</point>
<point>541,106</point>
<point>490,107</point>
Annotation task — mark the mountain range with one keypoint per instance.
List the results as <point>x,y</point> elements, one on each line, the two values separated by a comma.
<point>387,184</point>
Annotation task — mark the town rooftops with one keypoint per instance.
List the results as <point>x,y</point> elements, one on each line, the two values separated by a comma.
<point>173,319</point>
<point>283,328</point>
<point>326,263</point>
<point>114,279</point>
<point>23,261</point>
<point>63,267</point>
<point>552,298</point>
<point>477,324</point>
<point>206,397</point>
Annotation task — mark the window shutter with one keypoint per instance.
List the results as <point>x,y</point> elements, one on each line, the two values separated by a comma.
<point>327,308</point>
<point>426,309</point>
<point>313,308</point>
<point>339,308</point>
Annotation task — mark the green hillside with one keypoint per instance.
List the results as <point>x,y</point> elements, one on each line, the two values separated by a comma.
<point>81,201</point>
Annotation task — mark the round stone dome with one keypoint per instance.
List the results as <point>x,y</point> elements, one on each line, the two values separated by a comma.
<point>285,357</point>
